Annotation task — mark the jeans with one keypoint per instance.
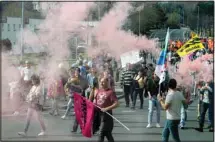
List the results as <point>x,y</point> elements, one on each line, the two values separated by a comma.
<point>171,126</point>
<point>136,92</point>
<point>154,103</point>
<point>183,116</point>
<point>211,114</point>
<point>69,106</point>
<point>39,118</point>
<point>204,108</point>
<point>55,105</point>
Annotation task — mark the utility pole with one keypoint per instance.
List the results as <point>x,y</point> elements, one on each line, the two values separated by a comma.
<point>198,22</point>
<point>139,22</point>
<point>99,20</point>
<point>22,48</point>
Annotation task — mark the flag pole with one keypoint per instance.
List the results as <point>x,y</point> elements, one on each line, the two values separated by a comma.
<point>114,118</point>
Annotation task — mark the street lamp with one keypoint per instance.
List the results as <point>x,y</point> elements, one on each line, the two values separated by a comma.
<point>139,10</point>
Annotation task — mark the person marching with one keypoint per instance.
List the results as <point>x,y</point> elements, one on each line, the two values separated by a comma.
<point>153,90</point>
<point>92,78</point>
<point>54,91</point>
<point>26,74</point>
<point>207,100</point>
<point>35,101</point>
<point>172,106</point>
<point>139,81</point>
<point>106,99</point>
<point>72,80</point>
<point>79,88</point>
<point>126,83</point>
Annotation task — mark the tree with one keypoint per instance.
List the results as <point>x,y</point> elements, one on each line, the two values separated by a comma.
<point>14,9</point>
<point>162,17</point>
<point>173,20</point>
<point>151,17</point>
<point>100,9</point>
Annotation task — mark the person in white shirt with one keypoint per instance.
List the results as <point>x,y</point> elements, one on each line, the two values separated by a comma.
<point>35,101</point>
<point>172,106</point>
<point>26,74</point>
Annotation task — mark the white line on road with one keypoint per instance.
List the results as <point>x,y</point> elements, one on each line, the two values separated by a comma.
<point>128,111</point>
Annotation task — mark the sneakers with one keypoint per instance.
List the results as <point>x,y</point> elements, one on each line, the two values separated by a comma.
<point>42,133</point>
<point>22,134</point>
<point>149,126</point>
<point>158,125</point>
<point>63,117</point>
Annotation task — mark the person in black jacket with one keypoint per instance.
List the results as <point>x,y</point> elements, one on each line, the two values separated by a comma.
<point>153,91</point>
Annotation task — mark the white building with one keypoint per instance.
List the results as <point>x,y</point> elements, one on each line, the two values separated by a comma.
<point>11,27</point>
<point>44,6</point>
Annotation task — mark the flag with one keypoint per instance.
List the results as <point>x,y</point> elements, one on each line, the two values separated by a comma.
<point>190,46</point>
<point>84,112</point>
<point>160,67</point>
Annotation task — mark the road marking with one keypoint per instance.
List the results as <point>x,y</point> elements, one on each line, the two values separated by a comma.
<point>128,111</point>
<point>21,114</point>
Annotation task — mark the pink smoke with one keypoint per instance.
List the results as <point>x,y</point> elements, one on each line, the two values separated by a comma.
<point>56,30</point>
<point>53,35</point>
<point>113,39</point>
<point>203,70</point>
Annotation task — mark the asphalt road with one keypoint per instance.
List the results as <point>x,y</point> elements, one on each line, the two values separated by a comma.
<point>136,120</point>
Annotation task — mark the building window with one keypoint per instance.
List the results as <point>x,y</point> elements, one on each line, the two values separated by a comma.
<point>14,27</point>
<point>8,27</point>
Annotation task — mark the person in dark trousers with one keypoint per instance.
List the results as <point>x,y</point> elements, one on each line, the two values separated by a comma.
<point>106,99</point>
<point>207,93</point>
<point>138,86</point>
<point>80,88</point>
<point>97,119</point>
<point>211,108</point>
<point>126,81</point>
<point>172,106</point>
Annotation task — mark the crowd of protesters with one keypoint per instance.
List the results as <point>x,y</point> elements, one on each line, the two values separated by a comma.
<point>208,44</point>
<point>96,80</point>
